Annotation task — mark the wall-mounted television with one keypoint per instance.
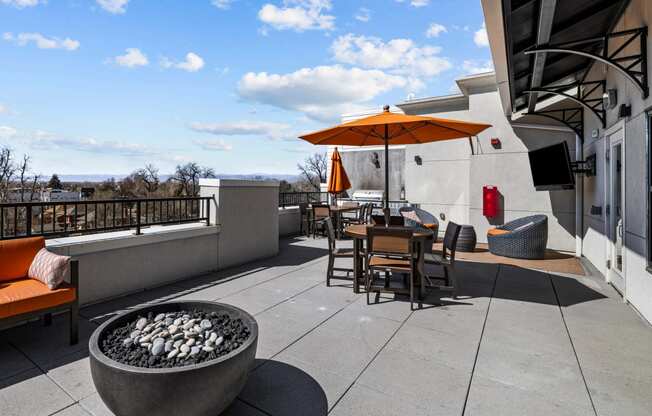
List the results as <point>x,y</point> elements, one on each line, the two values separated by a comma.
<point>551,168</point>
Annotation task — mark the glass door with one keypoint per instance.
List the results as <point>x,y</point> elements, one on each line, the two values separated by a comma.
<point>616,209</point>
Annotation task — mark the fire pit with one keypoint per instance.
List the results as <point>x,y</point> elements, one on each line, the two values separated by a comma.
<point>190,358</point>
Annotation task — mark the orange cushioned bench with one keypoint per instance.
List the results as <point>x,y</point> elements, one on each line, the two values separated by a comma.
<point>22,298</point>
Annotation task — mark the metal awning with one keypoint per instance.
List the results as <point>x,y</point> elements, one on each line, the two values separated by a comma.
<point>552,44</point>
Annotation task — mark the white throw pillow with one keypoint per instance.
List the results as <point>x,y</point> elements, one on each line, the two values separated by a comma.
<point>49,268</point>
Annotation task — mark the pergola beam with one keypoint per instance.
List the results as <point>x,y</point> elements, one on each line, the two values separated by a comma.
<point>544,30</point>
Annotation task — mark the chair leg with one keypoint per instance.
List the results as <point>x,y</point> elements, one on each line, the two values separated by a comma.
<point>453,282</point>
<point>329,272</point>
<point>47,319</point>
<point>411,282</point>
<point>74,323</point>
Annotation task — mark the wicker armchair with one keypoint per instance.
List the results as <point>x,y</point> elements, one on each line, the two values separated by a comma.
<point>419,218</point>
<point>524,238</point>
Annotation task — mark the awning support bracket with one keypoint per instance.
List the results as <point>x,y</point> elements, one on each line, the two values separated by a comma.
<point>588,94</point>
<point>573,118</point>
<point>622,61</point>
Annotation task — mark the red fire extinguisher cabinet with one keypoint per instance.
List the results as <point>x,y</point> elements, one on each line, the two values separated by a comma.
<point>490,201</point>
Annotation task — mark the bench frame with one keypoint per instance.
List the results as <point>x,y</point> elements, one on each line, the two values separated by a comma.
<point>46,313</point>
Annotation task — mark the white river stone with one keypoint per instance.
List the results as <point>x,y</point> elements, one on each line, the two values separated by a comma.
<point>141,323</point>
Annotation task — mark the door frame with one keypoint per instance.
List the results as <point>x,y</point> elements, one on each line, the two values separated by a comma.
<point>608,201</point>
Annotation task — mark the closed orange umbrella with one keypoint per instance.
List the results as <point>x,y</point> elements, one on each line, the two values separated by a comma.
<point>338,181</point>
<point>389,128</point>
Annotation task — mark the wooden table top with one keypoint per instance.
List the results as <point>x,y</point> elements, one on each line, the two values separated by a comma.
<point>360,231</point>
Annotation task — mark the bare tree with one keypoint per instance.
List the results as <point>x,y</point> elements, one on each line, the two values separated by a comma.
<point>149,178</point>
<point>314,169</point>
<point>7,170</point>
<point>187,176</point>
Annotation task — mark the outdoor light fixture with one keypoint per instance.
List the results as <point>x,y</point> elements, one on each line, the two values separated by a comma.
<point>610,98</point>
<point>495,142</point>
<point>624,111</point>
<point>418,160</point>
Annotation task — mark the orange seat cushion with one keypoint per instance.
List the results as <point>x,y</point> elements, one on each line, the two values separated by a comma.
<point>497,231</point>
<point>381,262</point>
<point>28,295</point>
<point>431,226</point>
<point>16,256</point>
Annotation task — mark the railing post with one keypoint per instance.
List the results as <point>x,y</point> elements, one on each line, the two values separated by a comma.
<point>208,211</point>
<point>137,217</point>
<point>28,220</point>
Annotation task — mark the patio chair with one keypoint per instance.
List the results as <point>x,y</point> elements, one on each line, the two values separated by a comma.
<point>361,217</point>
<point>390,251</point>
<point>304,227</point>
<point>336,253</point>
<point>446,261</point>
<point>524,238</point>
<point>319,213</point>
<point>394,220</point>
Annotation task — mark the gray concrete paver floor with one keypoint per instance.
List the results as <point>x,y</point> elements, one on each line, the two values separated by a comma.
<point>515,342</point>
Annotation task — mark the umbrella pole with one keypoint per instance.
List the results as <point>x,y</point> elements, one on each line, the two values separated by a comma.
<point>386,210</point>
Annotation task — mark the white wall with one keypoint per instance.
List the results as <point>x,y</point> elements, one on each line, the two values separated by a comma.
<point>638,281</point>
<point>450,180</point>
<point>247,212</point>
<point>118,263</point>
<point>289,221</point>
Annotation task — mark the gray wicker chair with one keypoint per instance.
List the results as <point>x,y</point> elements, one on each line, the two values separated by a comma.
<point>526,238</point>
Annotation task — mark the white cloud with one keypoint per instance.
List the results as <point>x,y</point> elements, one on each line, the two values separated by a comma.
<point>399,56</point>
<point>22,3</point>
<point>363,14</point>
<point>113,6</point>
<point>298,15</point>
<point>416,3</point>
<point>244,128</point>
<point>49,141</point>
<point>222,4</point>
<point>132,58</point>
<point>435,29</point>
<point>480,37</point>
<point>192,63</point>
<point>216,145</point>
<point>322,93</point>
<point>41,41</point>
<point>472,66</point>
<point>7,132</point>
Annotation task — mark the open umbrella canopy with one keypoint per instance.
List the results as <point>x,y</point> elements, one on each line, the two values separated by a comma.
<point>401,129</point>
<point>338,181</point>
<point>390,128</point>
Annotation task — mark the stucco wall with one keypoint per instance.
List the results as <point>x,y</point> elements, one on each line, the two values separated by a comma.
<point>363,174</point>
<point>118,263</point>
<point>638,281</point>
<point>247,212</point>
<point>289,221</point>
<point>450,180</point>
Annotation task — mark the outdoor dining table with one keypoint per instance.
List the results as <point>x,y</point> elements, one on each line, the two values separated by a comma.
<point>358,233</point>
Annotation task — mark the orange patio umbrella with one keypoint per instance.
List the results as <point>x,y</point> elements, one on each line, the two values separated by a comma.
<point>390,128</point>
<point>338,181</point>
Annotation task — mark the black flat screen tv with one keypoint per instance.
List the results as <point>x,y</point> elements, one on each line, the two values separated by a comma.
<point>551,168</point>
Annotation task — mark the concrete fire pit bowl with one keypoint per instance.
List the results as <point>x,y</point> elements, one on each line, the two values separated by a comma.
<point>206,388</point>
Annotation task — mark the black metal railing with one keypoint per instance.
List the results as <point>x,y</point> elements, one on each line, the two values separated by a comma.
<point>288,199</point>
<point>64,218</point>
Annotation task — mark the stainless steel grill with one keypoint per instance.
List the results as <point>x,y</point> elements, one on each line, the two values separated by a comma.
<point>368,195</point>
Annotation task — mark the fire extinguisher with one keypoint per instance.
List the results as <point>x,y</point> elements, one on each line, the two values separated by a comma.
<point>490,201</point>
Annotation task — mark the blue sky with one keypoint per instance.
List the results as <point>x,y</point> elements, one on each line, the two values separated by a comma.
<point>105,86</point>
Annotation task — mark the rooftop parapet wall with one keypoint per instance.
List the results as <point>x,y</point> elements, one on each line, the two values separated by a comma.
<point>247,212</point>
